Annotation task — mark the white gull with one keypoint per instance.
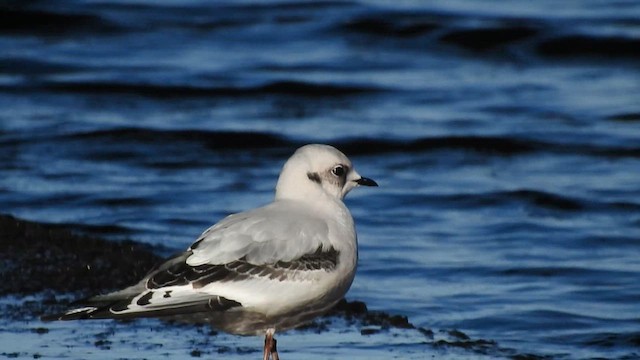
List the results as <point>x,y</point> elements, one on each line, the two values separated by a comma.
<point>271,268</point>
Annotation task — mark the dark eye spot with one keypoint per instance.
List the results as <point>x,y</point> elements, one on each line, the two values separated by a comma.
<point>338,170</point>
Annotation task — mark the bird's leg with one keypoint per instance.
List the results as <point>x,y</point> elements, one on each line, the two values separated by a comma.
<point>267,339</point>
<point>270,349</point>
<point>274,350</point>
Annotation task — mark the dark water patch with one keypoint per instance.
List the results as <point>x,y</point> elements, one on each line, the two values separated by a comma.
<point>613,152</point>
<point>309,89</point>
<point>526,197</point>
<point>155,148</point>
<point>625,117</point>
<point>217,24</point>
<point>248,140</point>
<point>25,66</point>
<point>530,198</point>
<point>123,201</point>
<point>515,146</point>
<point>612,344</point>
<point>616,241</point>
<point>18,20</point>
<point>288,88</point>
<point>609,339</point>
<point>181,146</point>
<point>391,25</point>
<point>624,206</point>
<point>484,39</point>
<point>591,46</point>
<point>216,140</point>
<point>317,67</point>
<point>481,144</point>
<point>531,356</point>
<point>546,200</point>
<point>287,5</point>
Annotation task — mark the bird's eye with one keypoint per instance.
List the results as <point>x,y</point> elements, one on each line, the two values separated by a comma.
<point>338,170</point>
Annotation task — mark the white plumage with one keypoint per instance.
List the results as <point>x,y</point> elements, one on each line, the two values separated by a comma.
<point>270,268</point>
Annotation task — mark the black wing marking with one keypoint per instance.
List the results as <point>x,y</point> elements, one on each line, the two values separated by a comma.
<point>318,260</point>
<point>116,304</point>
<point>180,273</point>
<point>176,272</point>
<point>212,303</point>
<point>119,309</point>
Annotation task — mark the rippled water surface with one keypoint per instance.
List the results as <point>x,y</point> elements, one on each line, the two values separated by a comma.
<point>505,138</point>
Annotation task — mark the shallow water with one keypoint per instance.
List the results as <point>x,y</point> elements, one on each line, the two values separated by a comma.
<point>505,138</point>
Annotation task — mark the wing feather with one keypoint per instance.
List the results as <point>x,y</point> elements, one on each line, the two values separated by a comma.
<point>280,231</point>
<point>174,287</point>
<point>278,242</point>
<point>181,274</point>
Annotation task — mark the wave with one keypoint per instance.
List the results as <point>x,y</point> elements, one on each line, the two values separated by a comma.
<point>17,20</point>
<point>550,39</point>
<point>625,117</point>
<point>211,139</point>
<point>545,200</point>
<point>530,38</point>
<point>556,202</point>
<point>605,47</point>
<point>566,272</point>
<point>292,88</point>
<point>481,144</point>
<point>26,66</point>
<point>541,37</point>
<point>220,140</point>
<point>524,197</point>
<point>390,25</point>
<point>534,198</point>
<point>611,339</point>
<point>247,139</point>
<point>483,39</point>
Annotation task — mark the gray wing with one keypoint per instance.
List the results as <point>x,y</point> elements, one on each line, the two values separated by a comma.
<point>172,288</point>
<point>280,231</point>
<point>199,276</point>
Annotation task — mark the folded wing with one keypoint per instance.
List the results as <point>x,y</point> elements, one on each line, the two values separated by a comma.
<point>240,248</point>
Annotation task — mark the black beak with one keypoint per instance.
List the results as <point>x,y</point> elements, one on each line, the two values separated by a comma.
<point>366,182</point>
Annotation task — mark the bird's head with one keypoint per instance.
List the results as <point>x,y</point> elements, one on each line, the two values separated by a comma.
<point>317,169</point>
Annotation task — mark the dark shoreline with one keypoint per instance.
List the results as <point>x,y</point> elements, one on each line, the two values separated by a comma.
<point>55,264</point>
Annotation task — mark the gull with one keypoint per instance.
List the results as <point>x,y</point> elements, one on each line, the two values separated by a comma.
<point>271,268</point>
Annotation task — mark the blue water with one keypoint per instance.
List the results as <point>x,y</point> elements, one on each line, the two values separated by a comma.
<point>505,137</point>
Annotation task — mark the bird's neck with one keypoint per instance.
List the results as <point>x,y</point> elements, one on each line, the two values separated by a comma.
<point>313,197</point>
